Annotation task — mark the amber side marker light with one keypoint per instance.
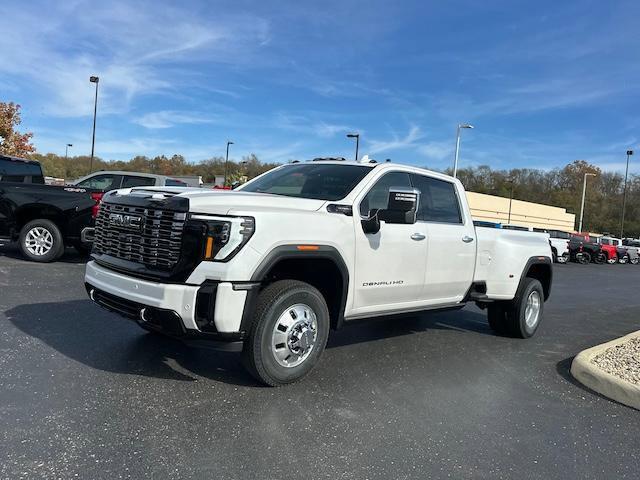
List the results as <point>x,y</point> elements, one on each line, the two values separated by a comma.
<point>208,252</point>
<point>306,248</point>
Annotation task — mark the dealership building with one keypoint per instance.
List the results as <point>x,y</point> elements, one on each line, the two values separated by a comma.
<point>490,208</point>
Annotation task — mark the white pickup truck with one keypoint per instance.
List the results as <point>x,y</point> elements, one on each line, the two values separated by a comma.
<point>270,268</point>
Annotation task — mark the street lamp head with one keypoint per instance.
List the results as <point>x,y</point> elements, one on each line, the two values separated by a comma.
<point>230,143</point>
<point>69,145</point>
<point>353,135</point>
<point>465,125</point>
<point>629,152</point>
<point>590,174</point>
<point>94,79</point>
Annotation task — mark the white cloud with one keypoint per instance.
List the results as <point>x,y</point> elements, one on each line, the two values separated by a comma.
<point>127,45</point>
<point>396,143</point>
<point>169,118</point>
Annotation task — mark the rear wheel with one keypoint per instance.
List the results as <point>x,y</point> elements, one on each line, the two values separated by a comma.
<point>289,332</point>
<point>612,260</point>
<point>41,241</point>
<point>634,260</point>
<point>600,258</point>
<point>564,258</point>
<point>624,259</point>
<point>520,317</point>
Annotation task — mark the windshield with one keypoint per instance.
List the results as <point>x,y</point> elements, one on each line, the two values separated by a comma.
<point>317,181</point>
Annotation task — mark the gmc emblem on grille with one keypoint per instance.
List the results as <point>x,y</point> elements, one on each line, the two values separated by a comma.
<point>125,221</point>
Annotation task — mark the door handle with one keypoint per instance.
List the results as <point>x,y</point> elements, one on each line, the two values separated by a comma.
<point>418,236</point>
<point>467,239</point>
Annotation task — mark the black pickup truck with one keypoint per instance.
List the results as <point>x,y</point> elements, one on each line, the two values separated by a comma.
<point>42,218</point>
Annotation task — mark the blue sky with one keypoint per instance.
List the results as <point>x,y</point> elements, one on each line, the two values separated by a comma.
<point>543,82</point>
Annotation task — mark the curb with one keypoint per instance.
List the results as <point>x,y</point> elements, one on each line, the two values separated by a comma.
<point>602,382</point>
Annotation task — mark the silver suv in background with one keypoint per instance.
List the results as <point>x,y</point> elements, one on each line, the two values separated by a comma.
<point>112,180</point>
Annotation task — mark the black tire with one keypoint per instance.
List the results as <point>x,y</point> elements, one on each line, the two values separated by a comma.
<point>583,258</point>
<point>564,258</point>
<point>52,248</point>
<point>259,356</point>
<point>600,258</point>
<point>510,318</point>
<point>623,260</point>
<point>634,261</point>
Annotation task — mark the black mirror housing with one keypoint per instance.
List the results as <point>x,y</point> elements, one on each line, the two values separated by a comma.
<point>402,207</point>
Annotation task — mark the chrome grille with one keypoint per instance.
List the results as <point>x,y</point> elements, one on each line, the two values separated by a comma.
<point>154,241</point>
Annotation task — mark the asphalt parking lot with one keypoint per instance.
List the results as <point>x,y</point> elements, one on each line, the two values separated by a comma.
<point>87,394</point>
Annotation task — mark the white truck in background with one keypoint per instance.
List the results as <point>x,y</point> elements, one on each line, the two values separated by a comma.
<point>272,267</point>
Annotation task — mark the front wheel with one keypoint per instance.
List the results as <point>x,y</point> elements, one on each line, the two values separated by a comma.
<point>520,317</point>
<point>624,259</point>
<point>41,241</point>
<point>289,332</point>
<point>564,258</point>
<point>634,260</point>
<point>612,260</point>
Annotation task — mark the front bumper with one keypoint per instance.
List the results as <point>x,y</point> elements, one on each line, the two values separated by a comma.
<point>212,311</point>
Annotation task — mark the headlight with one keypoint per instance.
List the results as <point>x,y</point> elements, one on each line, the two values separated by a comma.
<point>225,236</point>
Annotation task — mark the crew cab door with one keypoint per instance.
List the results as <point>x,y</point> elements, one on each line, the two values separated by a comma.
<point>451,237</point>
<point>390,264</point>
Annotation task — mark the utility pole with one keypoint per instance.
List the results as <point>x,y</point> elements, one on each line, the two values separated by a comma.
<point>584,189</point>
<point>357,137</point>
<point>94,79</point>
<point>226,162</point>
<point>455,160</point>
<point>624,195</point>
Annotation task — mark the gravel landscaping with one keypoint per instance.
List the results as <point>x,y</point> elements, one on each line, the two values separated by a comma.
<point>622,360</point>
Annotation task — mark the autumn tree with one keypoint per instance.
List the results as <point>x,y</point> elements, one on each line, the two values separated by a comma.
<point>13,142</point>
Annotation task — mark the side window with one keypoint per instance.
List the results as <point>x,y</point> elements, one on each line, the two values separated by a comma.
<point>101,182</point>
<point>172,182</point>
<point>19,171</point>
<point>438,200</point>
<point>129,181</point>
<point>378,196</point>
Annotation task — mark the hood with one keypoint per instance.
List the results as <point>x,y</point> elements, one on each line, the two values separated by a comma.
<point>224,202</point>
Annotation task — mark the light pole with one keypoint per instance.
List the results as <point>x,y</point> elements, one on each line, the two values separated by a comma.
<point>226,162</point>
<point>455,161</point>
<point>66,150</point>
<point>584,189</point>
<point>357,137</point>
<point>94,79</point>
<point>624,195</point>
<point>510,200</point>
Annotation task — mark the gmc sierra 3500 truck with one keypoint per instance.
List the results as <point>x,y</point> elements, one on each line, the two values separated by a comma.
<point>271,267</point>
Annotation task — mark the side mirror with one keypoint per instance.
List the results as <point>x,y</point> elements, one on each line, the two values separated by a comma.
<point>402,207</point>
<point>371,224</point>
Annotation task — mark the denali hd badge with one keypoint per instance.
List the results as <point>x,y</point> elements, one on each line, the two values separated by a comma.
<point>125,221</point>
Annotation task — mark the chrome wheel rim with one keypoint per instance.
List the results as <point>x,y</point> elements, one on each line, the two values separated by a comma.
<point>38,241</point>
<point>532,309</point>
<point>294,335</point>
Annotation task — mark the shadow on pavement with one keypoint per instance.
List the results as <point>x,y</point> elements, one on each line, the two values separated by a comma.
<point>104,341</point>
<point>368,330</point>
<point>71,255</point>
